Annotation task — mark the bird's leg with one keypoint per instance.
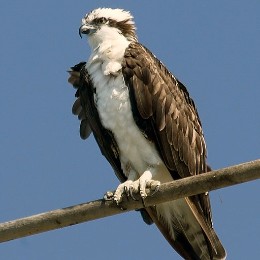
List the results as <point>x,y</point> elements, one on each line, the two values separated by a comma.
<point>125,187</point>
<point>145,182</point>
<point>134,185</point>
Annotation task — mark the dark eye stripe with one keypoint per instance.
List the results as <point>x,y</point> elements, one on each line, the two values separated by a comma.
<point>100,20</point>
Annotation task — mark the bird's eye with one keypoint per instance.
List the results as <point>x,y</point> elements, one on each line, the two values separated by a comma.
<point>102,20</point>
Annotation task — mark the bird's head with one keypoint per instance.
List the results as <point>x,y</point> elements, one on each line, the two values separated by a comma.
<point>103,23</point>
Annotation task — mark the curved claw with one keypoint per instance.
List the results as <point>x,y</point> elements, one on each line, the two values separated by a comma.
<point>123,188</point>
<point>131,191</point>
<point>126,191</point>
<point>131,187</point>
<point>109,195</point>
<point>155,187</point>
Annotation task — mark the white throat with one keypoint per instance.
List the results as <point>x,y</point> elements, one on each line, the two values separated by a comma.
<point>108,47</point>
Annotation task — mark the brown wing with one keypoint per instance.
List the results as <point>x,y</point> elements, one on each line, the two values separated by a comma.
<point>168,113</point>
<point>164,111</point>
<point>165,102</point>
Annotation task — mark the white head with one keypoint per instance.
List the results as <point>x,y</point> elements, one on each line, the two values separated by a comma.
<point>102,23</point>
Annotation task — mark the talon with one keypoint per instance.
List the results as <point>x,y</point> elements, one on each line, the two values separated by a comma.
<point>154,186</point>
<point>109,195</point>
<point>143,192</point>
<point>117,198</point>
<point>121,189</point>
<point>117,201</point>
<point>143,195</point>
<point>126,191</point>
<point>131,189</point>
<point>155,190</point>
<point>143,185</point>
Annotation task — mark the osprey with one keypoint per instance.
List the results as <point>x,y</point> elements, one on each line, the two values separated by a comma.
<point>146,126</point>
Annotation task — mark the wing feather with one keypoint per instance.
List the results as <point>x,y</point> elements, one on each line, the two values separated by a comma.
<point>90,121</point>
<point>155,85</point>
<point>173,121</point>
<point>162,100</point>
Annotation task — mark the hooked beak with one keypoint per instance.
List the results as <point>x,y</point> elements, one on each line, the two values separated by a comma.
<point>86,29</point>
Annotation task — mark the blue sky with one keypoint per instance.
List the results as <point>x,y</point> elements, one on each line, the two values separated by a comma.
<point>213,48</point>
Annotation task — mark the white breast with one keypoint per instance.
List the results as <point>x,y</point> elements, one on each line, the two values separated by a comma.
<point>113,104</point>
<point>112,99</point>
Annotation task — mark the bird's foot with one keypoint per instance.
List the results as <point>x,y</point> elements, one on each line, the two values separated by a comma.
<point>109,195</point>
<point>146,182</point>
<point>129,188</point>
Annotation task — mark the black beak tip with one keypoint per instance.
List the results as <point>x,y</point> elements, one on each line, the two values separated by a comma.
<point>80,34</point>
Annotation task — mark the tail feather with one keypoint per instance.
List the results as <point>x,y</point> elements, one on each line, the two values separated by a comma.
<point>217,251</point>
<point>184,233</point>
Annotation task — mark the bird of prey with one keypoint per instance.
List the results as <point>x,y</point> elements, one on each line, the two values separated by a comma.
<point>147,127</point>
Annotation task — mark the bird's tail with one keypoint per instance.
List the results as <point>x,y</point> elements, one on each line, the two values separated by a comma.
<point>183,230</point>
